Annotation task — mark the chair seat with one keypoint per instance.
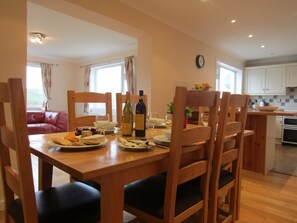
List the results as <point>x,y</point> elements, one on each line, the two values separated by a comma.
<point>148,196</point>
<point>73,202</point>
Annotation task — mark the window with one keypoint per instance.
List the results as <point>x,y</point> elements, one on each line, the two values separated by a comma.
<point>228,79</point>
<point>108,78</point>
<point>35,93</point>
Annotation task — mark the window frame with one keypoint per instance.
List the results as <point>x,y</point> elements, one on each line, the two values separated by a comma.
<point>33,108</point>
<point>238,80</point>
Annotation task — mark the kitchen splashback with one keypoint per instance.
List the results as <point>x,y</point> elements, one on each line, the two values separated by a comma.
<point>288,101</point>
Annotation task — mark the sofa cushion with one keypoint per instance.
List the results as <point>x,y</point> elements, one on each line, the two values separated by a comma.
<point>41,128</point>
<point>35,117</point>
<point>50,117</point>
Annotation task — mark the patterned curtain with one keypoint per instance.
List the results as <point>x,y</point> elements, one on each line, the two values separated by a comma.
<point>46,74</point>
<point>130,73</point>
<point>87,84</point>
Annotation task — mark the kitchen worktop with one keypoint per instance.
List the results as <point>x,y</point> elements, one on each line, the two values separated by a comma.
<point>272,113</point>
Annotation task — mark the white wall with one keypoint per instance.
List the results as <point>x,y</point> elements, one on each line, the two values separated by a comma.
<point>13,46</point>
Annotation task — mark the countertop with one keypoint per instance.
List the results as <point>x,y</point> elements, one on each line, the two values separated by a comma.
<point>272,113</point>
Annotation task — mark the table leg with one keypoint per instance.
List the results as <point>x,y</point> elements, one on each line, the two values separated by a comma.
<point>45,174</point>
<point>112,198</point>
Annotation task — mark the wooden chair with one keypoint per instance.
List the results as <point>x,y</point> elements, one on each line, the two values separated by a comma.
<point>228,153</point>
<point>168,197</point>
<point>75,202</point>
<point>121,99</point>
<point>85,97</point>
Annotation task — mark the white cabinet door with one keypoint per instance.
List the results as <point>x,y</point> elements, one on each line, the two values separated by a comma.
<point>292,76</point>
<point>275,81</point>
<point>255,81</point>
<point>278,127</point>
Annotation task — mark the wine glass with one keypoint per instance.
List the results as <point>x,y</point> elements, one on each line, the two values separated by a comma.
<point>152,119</point>
<point>102,122</point>
<point>204,116</point>
<point>168,119</point>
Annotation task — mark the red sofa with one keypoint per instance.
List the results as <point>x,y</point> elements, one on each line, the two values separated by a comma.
<point>46,122</point>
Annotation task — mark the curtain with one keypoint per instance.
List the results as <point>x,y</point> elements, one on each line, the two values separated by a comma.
<point>46,74</point>
<point>87,84</point>
<point>130,74</point>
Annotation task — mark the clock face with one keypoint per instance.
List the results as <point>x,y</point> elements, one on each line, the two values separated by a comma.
<point>200,61</point>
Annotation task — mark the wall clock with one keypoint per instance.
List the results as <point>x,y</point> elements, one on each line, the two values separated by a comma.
<point>200,61</point>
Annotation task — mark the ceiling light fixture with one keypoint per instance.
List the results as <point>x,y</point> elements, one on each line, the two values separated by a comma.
<point>36,37</point>
<point>250,36</point>
<point>262,46</point>
<point>233,21</point>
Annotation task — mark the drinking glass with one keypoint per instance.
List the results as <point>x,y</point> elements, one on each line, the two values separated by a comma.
<point>102,123</point>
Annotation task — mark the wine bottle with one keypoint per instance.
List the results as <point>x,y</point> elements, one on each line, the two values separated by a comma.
<point>127,118</point>
<point>140,119</point>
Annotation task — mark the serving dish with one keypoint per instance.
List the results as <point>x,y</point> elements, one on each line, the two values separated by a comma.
<point>266,108</point>
<point>51,143</point>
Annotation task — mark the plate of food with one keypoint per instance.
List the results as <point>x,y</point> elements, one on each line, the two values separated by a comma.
<point>77,142</point>
<point>161,140</point>
<point>266,108</point>
<point>134,145</point>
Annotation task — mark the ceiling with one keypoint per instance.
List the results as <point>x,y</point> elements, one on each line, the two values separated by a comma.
<point>272,23</point>
<point>72,39</point>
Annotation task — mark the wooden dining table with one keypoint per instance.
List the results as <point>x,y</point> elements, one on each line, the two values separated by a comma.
<point>109,165</point>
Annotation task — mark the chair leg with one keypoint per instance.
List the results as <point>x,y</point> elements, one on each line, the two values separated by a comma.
<point>213,210</point>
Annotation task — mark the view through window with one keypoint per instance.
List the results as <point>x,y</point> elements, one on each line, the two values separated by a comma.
<point>228,78</point>
<point>35,93</point>
<point>107,78</point>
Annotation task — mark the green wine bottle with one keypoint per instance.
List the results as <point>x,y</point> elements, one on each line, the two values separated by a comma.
<point>127,118</point>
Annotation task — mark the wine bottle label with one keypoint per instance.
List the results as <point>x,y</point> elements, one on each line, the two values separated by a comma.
<point>139,122</point>
<point>126,129</point>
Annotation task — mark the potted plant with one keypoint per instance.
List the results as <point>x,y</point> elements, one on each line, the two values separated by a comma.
<point>202,86</point>
<point>188,112</point>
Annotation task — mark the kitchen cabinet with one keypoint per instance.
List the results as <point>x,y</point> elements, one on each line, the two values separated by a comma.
<point>291,76</point>
<point>270,80</point>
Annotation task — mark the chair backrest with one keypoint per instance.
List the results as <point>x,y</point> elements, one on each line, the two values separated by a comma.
<point>191,149</point>
<point>85,97</point>
<point>19,180</point>
<point>120,101</point>
<point>230,135</point>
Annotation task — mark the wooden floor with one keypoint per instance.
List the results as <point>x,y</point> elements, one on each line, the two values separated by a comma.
<point>265,199</point>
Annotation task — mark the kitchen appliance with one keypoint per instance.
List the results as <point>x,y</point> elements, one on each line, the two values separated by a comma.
<point>289,130</point>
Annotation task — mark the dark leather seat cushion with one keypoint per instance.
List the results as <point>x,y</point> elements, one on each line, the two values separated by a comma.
<point>148,195</point>
<point>92,184</point>
<point>73,203</point>
<point>225,178</point>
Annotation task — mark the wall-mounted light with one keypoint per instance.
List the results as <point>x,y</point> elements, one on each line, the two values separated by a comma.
<point>36,37</point>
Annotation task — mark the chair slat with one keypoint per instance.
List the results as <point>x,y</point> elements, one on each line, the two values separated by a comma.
<point>8,138</point>
<point>233,128</point>
<point>196,134</point>
<point>192,171</point>
<point>203,99</point>
<point>237,100</point>
<point>13,180</point>
<point>229,156</point>
<point>83,97</point>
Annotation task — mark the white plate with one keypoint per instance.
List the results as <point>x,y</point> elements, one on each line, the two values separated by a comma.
<point>132,146</point>
<point>51,143</point>
<point>161,139</point>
